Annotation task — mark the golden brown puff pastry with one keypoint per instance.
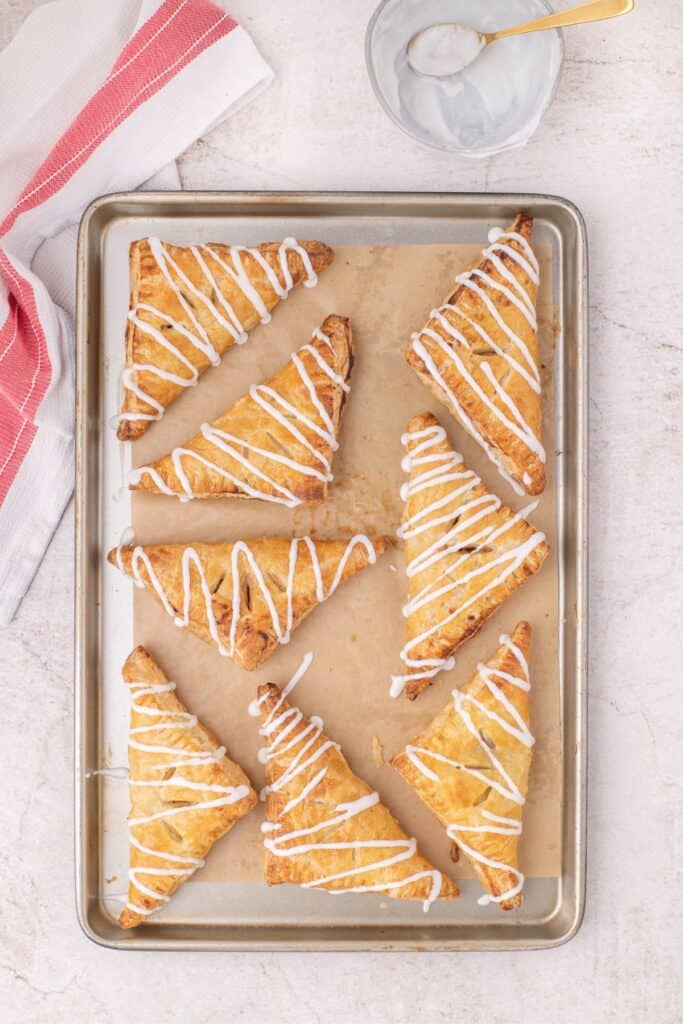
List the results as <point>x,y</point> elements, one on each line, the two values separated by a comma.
<point>189,304</point>
<point>275,443</point>
<point>245,597</point>
<point>465,551</point>
<point>185,793</point>
<point>478,353</point>
<point>471,767</point>
<point>325,828</point>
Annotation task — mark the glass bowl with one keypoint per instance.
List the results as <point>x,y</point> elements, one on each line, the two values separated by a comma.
<point>495,104</point>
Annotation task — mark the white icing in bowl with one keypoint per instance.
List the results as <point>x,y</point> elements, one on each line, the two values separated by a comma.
<point>495,103</point>
<point>444,49</point>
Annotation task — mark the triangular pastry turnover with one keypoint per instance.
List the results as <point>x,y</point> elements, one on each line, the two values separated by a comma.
<point>471,767</point>
<point>466,553</point>
<point>185,793</point>
<point>189,304</point>
<point>277,441</point>
<point>325,828</point>
<point>245,597</point>
<point>478,353</point>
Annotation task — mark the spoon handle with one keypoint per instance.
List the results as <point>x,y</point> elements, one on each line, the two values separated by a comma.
<point>597,10</point>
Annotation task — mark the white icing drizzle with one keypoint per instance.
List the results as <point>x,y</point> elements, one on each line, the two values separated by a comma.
<point>504,714</point>
<point>254,708</point>
<point>289,721</point>
<point>517,355</point>
<point>284,413</point>
<point>165,719</point>
<point>191,561</point>
<point>447,468</point>
<point>321,336</point>
<point>221,311</point>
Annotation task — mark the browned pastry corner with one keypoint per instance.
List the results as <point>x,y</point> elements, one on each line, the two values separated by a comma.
<point>185,792</point>
<point>239,596</point>
<point>466,553</point>
<point>325,827</point>
<point>190,304</point>
<point>471,767</point>
<point>277,441</point>
<point>478,353</point>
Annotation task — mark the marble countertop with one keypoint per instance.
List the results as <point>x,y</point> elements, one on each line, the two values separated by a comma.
<point>611,143</point>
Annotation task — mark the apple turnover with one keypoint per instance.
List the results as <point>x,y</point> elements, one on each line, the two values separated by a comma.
<point>466,553</point>
<point>325,828</point>
<point>478,353</point>
<point>185,792</point>
<point>245,597</point>
<point>276,443</point>
<point>471,767</point>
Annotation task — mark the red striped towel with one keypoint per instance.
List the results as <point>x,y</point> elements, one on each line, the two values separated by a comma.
<point>68,134</point>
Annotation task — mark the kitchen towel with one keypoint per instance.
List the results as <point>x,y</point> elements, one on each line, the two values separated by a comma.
<point>72,129</point>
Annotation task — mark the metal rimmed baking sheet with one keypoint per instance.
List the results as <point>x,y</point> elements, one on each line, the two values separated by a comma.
<point>220,916</point>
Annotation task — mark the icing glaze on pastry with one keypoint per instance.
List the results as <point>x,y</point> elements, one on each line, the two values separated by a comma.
<point>223,313</point>
<point>454,353</point>
<point>464,515</point>
<point>254,708</point>
<point>285,728</point>
<point>291,419</point>
<point>492,772</point>
<point>143,573</point>
<point>147,738</point>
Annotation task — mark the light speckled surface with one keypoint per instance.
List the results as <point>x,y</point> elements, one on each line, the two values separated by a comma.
<point>611,143</point>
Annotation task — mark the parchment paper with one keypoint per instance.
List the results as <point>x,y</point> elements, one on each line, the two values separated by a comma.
<point>357,635</point>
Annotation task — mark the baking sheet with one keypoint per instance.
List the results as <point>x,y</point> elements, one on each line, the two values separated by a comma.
<point>353,660</point>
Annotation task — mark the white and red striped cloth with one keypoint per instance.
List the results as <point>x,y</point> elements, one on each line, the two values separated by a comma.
<point>70,130</point>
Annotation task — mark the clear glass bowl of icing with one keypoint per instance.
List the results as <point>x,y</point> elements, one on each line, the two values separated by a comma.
<point>494,104</point>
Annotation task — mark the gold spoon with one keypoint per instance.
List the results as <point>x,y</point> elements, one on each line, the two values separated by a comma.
<point>446,48</point>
